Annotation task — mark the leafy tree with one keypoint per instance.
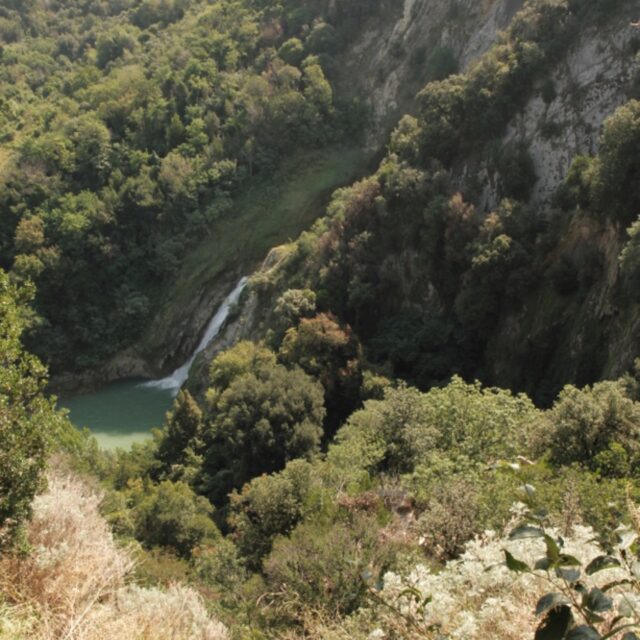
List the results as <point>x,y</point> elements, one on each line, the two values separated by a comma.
<point>331,354</point>
<point>262,420</point>
<point>590,425</point>
<point>170,514</point>
<point>244,357</point>
<point>269,506</point>
<point>27,418</point>
<point>182,430</point>
<point>292,51</point>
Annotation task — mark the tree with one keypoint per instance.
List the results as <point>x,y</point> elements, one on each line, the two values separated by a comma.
<point>242,358</point>
<point>182,428</point>
<point>27,417</point>
<point>262,420</point>
<point>587,422</point>
<point>269,506</point>
<point>172,515</point>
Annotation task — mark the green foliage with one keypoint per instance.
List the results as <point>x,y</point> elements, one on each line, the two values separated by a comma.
<point>598,426</point>
<point>403,430</point>
<point>630,260</point>
<point>180,436</point>
<point>269,506</point>
<point>242,358</point>
<point>330,353</point>
<point>137,129</point>
<point>171,515</point>
<point>320,568</point>
<point>28,420</point>
<point>607,183</point>
<point>258,423</point>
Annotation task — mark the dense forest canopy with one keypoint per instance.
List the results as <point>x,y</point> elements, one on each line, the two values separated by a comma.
<point>126,128</point>
<point>345,467</point>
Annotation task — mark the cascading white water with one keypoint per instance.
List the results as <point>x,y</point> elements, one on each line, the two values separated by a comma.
<point>175,380</point>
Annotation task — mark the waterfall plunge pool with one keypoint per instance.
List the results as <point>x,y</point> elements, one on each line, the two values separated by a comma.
<point>124,412</point>
<point>121,413</point>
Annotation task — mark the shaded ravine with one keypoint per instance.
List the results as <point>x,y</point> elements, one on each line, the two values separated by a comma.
<point>124,412</point>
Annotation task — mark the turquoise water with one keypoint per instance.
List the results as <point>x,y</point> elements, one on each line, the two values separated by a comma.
<point>121,413</point>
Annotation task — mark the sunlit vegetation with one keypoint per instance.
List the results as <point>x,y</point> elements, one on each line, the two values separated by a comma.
<point>352,472</point>
<point>128,130</point>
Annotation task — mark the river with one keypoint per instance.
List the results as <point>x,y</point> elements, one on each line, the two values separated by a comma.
<point>124,412</point>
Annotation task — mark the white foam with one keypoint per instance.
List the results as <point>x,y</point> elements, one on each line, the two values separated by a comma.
<point>176,379</point>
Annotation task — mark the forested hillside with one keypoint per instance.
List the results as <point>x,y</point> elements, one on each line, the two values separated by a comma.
<point>422,419</point>
<point>496,240</point>
<point>128,128</point>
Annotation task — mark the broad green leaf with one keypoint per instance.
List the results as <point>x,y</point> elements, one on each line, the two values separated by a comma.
<point>553,551</point>
<point>571,575</point>
<point>550,601</point>
<point>597,601</point>
<point>515,565</point>
<point>583,633</point>
<point>526,531</point>
<point>630,636</point>
<point>555,624</point>
<point>543,564</point>
<point>601,563</point>
<point>568,561</point>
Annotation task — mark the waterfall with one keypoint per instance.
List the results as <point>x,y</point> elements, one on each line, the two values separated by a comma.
<point>175,380</point>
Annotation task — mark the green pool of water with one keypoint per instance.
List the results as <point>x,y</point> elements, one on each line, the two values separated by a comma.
<point>120,414</point>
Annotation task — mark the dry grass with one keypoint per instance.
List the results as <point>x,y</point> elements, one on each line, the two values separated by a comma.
<point>73,583</point>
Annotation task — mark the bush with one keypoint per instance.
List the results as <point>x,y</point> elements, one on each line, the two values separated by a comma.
<point>585,423</point>
<point>259,423</point>
<point>269,506</point>
<point>320,568</point>
<point>172,515</point>
<point>450,519</point>
<point>27,418</point>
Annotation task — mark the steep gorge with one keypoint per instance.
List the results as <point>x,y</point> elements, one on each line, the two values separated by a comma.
<point>574,320</point>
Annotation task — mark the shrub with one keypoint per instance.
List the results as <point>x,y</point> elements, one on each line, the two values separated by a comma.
<point>260,422</point>
<point>73,581</point>
<point>320,567</point>
<point>450,519</point>
<point>585,423</point>
<point>27,417</point>
<point>269,506</point>
<point>172,515</point>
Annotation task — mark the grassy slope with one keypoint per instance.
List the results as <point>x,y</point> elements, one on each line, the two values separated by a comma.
<point>267,214</point>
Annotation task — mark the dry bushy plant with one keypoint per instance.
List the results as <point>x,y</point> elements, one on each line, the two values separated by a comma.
<point>71,585</point>
<point>481,596</point>
<point>450,519</point>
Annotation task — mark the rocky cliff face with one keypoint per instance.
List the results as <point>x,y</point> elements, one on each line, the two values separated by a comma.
<point>565,118</point>
<point>553,338</point>
<point>591,334</point>
<point>389,62</point>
